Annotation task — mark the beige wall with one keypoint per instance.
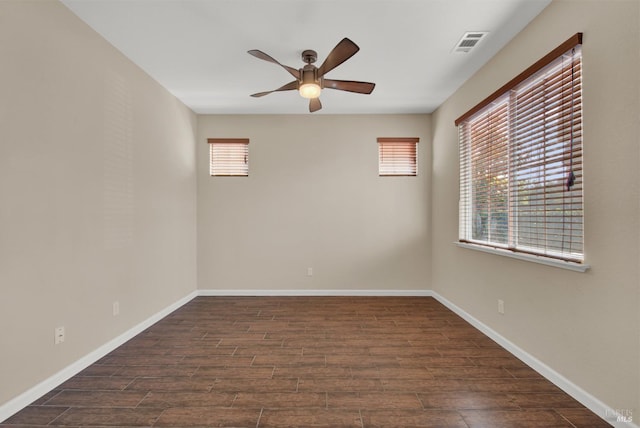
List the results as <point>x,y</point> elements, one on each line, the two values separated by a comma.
<point>313,198</point>
<point>97,193</point>
<point>583,325</point>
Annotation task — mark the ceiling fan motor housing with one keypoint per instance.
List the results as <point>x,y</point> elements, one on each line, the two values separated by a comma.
<point>309,74</point>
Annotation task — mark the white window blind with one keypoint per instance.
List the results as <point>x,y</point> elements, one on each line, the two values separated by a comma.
<point>397,156</point>
<point>229,156</point>
<point>521,163</point>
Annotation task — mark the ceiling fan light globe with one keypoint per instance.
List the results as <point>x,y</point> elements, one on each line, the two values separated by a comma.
<point>310,90</point>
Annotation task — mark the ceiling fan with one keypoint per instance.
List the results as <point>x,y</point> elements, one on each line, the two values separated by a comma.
<point>310,79</point>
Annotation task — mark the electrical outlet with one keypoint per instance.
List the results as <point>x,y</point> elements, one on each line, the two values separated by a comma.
<point>116,308</point>
<point>58,335</point>
<point>501,306</point>
<point>309,271</point>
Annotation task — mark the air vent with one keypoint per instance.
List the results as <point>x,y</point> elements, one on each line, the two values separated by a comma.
<point>469,41</point>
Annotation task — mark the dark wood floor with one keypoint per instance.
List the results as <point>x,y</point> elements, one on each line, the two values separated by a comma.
<point>309,361</point>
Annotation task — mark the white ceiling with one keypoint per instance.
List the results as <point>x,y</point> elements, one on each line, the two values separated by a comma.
<point>197,49</point>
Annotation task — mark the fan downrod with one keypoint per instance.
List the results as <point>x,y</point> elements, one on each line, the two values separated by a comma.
<point>309,56</point>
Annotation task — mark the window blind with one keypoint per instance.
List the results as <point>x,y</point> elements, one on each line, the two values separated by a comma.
<point>229,156</point>
<point>521,175</point>
<point>398,156</point>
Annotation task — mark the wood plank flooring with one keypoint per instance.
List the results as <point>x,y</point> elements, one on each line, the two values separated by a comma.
<point>309,362</point>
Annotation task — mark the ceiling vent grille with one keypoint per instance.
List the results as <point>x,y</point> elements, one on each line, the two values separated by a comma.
<point>469,41</point>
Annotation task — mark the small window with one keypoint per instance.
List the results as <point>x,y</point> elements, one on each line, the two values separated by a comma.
<point>398,156</point>
<point>229,156</point>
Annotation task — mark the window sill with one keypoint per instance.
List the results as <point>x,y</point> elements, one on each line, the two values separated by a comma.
<point>577,267</point>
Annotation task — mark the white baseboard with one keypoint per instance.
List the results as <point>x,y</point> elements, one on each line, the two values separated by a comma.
<point>588,400</point>
<point>300,292</point>
<point>23,400</point>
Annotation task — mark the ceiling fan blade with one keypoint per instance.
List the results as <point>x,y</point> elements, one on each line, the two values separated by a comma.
<point>342,52</point>
<point>261,55</point>
<point>314,104</point>
<point>288,87</point>
<point>350,86</point>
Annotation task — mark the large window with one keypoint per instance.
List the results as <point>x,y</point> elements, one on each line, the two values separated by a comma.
<point>521,161</point>
<point>229,156</point>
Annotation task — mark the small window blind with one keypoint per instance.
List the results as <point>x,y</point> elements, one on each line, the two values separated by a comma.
<point>398,156</point>
<point>229,156</point>
<point>521,163</point>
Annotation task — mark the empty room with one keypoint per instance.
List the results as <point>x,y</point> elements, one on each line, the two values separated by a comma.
<point>286,213</point>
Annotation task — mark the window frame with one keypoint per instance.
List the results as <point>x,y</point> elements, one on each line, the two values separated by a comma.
<point>505,125</point>
<point>230,165</point>
<point>403,162</point>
